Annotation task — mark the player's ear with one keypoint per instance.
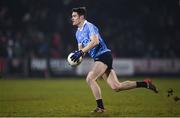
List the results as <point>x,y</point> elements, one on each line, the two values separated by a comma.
<point>82,17</point>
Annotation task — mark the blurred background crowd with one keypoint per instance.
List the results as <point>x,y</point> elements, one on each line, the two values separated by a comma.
<point>131,28</point>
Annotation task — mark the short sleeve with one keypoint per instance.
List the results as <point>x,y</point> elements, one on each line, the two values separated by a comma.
<point>92,30</point>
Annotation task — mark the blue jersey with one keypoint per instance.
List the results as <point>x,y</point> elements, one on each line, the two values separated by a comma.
<point>83,35</point>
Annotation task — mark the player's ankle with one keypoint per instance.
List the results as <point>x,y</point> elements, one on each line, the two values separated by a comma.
<point>141,84</point>
<point>100,103</point>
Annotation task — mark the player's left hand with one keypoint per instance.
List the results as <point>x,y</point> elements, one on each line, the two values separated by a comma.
<point>77,54</point>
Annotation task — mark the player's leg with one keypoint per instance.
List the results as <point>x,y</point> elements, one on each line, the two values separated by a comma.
<point>112,80</point>
<point>97,71</point>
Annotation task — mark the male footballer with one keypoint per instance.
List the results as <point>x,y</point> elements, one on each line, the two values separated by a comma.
<point>90,41</point>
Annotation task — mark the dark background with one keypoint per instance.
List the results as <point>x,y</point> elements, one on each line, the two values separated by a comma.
<point>131,28</point>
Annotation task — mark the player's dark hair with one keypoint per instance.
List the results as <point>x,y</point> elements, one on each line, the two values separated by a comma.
<point>80,10</point>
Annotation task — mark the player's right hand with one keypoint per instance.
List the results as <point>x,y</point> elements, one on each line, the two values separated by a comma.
<point>77,54</point>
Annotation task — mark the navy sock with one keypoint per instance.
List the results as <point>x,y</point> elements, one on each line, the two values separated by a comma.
<point>141,84</point>
<point>100,103</point>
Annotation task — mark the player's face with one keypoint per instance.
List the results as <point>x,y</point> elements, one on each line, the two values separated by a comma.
<point>76,20</point>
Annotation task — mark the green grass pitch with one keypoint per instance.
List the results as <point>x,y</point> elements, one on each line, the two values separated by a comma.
<point>72,98</point>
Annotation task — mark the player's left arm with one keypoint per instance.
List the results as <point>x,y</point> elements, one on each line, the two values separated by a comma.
<point>94,40</point>
<point>80,47</point>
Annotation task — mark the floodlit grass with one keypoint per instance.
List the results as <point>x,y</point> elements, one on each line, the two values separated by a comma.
<point>72,97</point>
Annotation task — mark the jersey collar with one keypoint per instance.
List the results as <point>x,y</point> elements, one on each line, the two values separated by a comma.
<point>81,28</point>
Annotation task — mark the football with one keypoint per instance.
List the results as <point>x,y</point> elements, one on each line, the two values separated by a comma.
<point>72,63</point>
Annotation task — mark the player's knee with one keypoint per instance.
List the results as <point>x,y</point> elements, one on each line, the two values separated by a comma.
<point>115,88</point>
<point>89,78</point>
<point>120,87</point>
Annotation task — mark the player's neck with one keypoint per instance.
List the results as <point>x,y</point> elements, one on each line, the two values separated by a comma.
<point>81,24</point>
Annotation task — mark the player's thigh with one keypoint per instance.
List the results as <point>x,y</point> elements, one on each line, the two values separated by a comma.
<point>111,78</point>
<point>97,70</point>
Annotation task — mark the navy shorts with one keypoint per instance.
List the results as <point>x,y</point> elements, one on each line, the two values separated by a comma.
<point>106,58</point>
